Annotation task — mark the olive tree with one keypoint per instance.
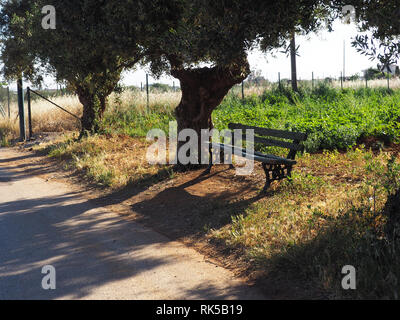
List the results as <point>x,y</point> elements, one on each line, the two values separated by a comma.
<point>207,43</point>
<point>79,50</point>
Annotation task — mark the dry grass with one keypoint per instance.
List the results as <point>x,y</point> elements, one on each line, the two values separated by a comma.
<point>128,98</point>
<point>111,160</point>
<point>45,116</point>
<point>306,228</point>
<point>394,84</point>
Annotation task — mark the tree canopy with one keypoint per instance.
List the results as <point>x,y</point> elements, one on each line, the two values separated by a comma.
<point>79,50</point>
<point>382,19</point>
<point>203,43</point>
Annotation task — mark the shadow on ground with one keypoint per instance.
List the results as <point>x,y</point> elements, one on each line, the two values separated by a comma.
<point>88,247</point>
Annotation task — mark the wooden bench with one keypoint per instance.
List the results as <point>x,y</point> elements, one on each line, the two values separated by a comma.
<point>275,168</point>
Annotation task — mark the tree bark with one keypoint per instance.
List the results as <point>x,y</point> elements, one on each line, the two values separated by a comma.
<point>92,112</point>
<point>203,89</point>
<point>94,106</point>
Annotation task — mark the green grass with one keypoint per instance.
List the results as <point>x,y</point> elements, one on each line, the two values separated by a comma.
<point>136,123</point>
<point>306,230</point>
<point>333,118</point>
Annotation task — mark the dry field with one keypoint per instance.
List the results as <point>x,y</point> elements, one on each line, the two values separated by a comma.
<point>48,118</point>
<point>394,84</point>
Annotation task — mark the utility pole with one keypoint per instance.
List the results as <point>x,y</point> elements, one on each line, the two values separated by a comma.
<point>293,62</point>
<point>21,110</point>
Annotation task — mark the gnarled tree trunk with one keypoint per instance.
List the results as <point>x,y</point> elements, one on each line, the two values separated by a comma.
<point>94,107</point>
<point>203,89</point>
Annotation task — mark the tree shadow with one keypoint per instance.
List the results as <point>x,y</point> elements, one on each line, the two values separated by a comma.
<point>90,248</point>
<point>198,204</point>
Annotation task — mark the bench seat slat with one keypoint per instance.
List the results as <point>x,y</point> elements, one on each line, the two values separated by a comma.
<point>257,156</point>
<point>270,132</point>
<point>277,143</point>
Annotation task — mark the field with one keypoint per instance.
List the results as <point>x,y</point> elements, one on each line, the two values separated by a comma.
<point>334,211</point>
<point>333,119</point>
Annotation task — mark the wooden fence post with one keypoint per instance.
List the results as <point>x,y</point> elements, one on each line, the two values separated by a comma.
<point>341,79</point>
<point>388,80</point>
<point>312,80</point>
<point>279,81</point>
<point>147,92</point>
<point>28,96</point>
<point>8,102</point>
<point>21,110</point>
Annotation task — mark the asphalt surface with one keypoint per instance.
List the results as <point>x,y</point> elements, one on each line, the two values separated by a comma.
<point>96,253</point>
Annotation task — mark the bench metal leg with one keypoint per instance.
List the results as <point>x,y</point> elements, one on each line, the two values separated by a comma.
<point>275,173</point>
<point>267,177</point>
<point>210,163</point>
<point>208,170</point>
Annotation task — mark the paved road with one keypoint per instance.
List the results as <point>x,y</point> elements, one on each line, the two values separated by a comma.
<point>96,253</point>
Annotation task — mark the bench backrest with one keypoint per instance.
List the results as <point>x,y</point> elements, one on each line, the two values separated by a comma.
<point>261,133</point>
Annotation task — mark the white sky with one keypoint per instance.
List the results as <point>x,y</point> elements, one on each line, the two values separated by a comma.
<point>321,54</point>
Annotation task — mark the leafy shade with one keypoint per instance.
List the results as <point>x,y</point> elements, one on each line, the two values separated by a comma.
<point>382,19</point>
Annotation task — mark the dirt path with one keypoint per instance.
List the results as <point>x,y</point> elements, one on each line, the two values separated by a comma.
<point>97,254</point>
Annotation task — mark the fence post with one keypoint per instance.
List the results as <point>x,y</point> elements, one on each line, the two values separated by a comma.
<point>243,90</point>
<point>279,80</point>
<point>8,102</point>
<point>312,80</point>
<point>388,80</point>
<point>341,80</point>
<point>28,96</point>
<point>147,92</point>
<point>366,80</point>
<point>21,109</point>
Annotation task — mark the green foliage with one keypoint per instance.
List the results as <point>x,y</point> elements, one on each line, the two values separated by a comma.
<point>332,118</point>
<point>160,87</point>
<point>381,19</point>
<point>136,124</point>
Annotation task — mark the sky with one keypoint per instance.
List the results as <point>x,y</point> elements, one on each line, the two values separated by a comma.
<point>321,54</point>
